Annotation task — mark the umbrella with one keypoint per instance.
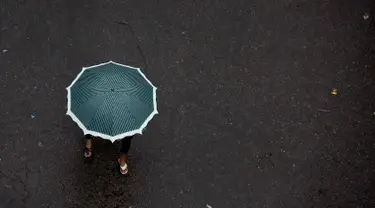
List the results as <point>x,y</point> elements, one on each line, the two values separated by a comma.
<point>111,100</point>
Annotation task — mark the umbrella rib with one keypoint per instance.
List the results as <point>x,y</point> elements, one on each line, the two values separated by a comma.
<point>127,121</point>
<point>90,78</point>
<point>141,105</point>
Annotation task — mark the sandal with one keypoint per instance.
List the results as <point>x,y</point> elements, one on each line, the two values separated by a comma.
<point>123,169</point>
<point>88,152</point>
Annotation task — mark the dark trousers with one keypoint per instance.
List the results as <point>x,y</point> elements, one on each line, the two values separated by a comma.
<point>125,144</point>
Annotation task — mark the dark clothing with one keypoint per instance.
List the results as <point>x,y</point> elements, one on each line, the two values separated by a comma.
<point>125,144</point>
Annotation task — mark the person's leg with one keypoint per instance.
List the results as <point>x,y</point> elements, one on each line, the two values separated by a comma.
<point>88,146</point>
<point>125,146</point>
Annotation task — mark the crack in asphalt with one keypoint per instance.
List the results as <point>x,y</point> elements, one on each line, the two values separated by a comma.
<point>136,41</point>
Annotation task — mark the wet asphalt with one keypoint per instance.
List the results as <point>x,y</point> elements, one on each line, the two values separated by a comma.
<point>247,115</point>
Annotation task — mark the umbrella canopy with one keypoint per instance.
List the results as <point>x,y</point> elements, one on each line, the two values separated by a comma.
<point>111,100</point>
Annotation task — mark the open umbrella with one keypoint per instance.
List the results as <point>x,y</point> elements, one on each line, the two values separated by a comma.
<point>111,100</point>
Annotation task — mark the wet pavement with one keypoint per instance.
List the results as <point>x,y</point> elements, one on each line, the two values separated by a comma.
<point>247,117</point>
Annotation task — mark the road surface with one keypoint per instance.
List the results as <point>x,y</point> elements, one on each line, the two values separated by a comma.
<point>247,118</point>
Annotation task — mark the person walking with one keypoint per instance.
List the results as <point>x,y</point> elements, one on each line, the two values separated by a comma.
<point>125,146</point>
<point>112,101</point>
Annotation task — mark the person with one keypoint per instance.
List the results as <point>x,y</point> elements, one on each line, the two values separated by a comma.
<point>125,146</point>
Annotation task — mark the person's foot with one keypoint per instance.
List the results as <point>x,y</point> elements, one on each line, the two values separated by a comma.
<point>123,168</point>
<point>88,152</point>
<point>88,146</point>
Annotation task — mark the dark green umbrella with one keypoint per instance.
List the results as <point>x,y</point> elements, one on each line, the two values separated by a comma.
<point>111,100</point>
